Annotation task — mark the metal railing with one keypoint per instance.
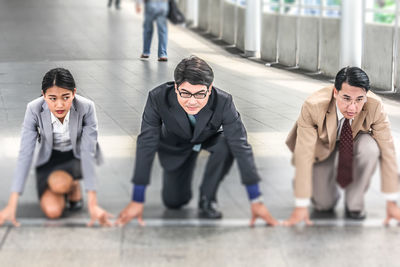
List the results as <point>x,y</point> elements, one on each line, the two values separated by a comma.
<point>369,17</point>
<point>317,8</point>
<point>302,7</point>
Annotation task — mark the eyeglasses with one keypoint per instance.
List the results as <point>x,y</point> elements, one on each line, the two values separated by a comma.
<point>197,95</point>
<point>348,101</point>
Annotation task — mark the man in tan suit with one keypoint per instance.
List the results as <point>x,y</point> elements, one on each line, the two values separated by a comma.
<point>341,134</point>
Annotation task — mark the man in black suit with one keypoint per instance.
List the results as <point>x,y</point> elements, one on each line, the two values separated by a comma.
<point>181,118</point>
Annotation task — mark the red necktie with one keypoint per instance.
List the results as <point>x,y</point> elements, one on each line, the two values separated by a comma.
<point>345,167</point>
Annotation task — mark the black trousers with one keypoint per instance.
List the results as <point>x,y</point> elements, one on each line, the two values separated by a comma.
<point>177,184</point>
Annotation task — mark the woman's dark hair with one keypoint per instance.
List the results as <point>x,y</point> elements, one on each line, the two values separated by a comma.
<point>58,77</point>
<point>193,70</point>
<point>353,76</point>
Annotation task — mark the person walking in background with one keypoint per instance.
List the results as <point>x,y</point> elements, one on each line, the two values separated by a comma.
<point>64,126</point>
<point>154,10</point>
<point>117,3</point>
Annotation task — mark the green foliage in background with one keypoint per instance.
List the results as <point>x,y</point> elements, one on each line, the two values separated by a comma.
<point>385,17</point>
<point>334,2</point>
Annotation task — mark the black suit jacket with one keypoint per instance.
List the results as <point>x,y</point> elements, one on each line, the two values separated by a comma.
<point>166,129</point>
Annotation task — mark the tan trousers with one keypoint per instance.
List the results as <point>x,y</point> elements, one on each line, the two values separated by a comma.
<point>325,188</point>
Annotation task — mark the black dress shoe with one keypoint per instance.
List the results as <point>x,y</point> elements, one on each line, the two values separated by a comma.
<point>208,209</point>
<point>75,205</point>
<point>356,215</point>
<point>328,211</point>
<point>323,214</point>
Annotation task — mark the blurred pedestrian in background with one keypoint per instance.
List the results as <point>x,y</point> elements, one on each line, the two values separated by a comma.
<point>117,4</point>
<point>154,10</point>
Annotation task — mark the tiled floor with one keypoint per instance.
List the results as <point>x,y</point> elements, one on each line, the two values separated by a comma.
<point>101,47</point>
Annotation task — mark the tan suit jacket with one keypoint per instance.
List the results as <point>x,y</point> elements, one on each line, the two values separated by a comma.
<point>313,138</point>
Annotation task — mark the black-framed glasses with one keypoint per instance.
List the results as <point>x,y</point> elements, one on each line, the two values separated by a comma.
<point>197,95</point>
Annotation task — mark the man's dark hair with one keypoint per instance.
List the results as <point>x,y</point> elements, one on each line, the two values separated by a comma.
<point>195,71</point>
<point>58,77</point>
<point>353,76</point>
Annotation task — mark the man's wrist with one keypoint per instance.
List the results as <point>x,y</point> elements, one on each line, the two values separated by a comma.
<point>259,199</point>
<point>136,203</point>
<point>391,202</point>
<point>138,194</point>
<point>302,202</point>
<point>392,197</point>
<point>253,191</point>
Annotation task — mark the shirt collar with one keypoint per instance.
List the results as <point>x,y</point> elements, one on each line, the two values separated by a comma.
<point>54,119</point>
<point>340,115</point>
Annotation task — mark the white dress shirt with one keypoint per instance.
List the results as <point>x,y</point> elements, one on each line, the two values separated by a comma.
<point>61,136</point>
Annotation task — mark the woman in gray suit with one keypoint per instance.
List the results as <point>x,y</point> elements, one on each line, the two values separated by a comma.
<point>64,126</point>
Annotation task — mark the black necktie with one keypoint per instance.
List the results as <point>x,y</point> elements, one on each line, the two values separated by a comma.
<point>192,120</point>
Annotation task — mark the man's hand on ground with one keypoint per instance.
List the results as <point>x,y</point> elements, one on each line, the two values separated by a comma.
<point>299,214</point>
<point>392,212</point>
<point>258,210</point>
<point>131,211</point>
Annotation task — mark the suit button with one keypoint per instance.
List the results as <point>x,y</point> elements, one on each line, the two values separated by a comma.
<point>316,159</point>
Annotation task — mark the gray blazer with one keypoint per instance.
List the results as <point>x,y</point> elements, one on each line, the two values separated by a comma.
<point>37,129</point>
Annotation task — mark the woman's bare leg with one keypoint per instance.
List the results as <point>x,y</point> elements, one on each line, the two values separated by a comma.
<point>52,201</point>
